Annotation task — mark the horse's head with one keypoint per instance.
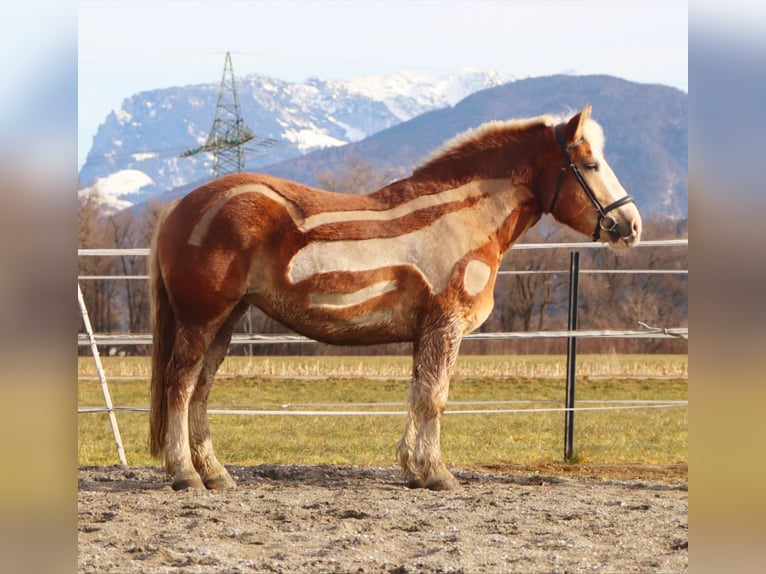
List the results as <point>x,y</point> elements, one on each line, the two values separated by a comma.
<point>586,194</point>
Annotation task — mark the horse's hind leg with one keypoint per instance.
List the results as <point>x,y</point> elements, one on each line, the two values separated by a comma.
<point>406,445</point>
<point>212,472</point>
<point>184,369</point>
<point>419,449</point>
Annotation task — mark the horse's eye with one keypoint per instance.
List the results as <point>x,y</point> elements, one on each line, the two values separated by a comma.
<point>592,166</point>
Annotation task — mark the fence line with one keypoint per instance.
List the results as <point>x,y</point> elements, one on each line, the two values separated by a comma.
<point>347,376</point>
<point>451,403</point>
<point>317,413</point>
<point>572,334</point>
<point>519,272</point>
<point>129,339</point>
<point>144,251</point>
<point>589,272</point>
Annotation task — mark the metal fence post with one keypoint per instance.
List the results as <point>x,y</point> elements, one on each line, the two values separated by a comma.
<point>574,285</point>
<point>102,378</point>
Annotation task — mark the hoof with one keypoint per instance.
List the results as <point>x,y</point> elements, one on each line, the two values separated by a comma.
<point>443,480</point>
<point>440,484</point>
<point>411,479</point>
<point>440,479</point>
<point>221,482</point>
<point>414,483</point>
<point>188,484</point>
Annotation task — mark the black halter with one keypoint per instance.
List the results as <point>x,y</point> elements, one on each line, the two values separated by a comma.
<point>605,222</point>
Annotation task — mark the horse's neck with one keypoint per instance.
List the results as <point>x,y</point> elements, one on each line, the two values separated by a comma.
<point>495,209</point>
<point>514,209</point>
<point>525,217</point>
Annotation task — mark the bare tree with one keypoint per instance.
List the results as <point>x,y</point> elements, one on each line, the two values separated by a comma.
<point>98,294</point>
<point>356,176</point>
<point>114,304</point>
<point>621,301</point>
<point>530,297</point>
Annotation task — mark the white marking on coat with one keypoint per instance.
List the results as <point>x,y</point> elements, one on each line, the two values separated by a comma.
<point>200,230</point>
<point>476,276</point>
<point>433,250</point>
<point>420,202</point>
<point>351,299</point>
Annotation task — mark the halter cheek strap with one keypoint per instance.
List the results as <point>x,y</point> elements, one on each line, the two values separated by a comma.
<point>567,163</point>
<point>605,222</point>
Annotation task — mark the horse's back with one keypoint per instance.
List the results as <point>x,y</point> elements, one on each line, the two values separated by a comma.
<point>237,237</point>
<point>339,268</point>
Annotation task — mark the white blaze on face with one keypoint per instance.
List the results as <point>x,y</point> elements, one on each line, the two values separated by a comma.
<point>595,136</point>
<point>433,250</point>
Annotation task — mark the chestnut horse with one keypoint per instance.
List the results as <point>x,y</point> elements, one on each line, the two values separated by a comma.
<point>416,261</point>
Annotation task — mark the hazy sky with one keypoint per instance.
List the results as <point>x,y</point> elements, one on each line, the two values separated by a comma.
<point>129,46</point>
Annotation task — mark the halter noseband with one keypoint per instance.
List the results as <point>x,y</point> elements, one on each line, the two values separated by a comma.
<point>605,222</point>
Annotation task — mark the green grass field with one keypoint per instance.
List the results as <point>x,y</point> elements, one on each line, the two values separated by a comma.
<point>657,436</point>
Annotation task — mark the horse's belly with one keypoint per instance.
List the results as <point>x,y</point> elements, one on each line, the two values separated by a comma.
<point>339,323</point>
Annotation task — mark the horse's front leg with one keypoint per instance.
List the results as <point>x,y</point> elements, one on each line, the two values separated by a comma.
<point>419,449</point>
<point>406,446</point>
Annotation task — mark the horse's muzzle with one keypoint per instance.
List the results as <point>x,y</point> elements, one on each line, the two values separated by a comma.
<point>621,235</point>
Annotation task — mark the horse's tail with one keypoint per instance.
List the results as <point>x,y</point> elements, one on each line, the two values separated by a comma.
<point>163,339</point>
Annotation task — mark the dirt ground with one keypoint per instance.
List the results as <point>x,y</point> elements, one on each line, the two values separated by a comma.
<point>358,519</point>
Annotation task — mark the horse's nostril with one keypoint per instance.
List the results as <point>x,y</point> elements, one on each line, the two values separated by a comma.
<point>637,229</point>
<point>623,230</point>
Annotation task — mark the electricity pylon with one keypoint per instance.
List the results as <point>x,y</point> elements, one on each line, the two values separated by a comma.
<point>229,133</point>
<point>226,141</point>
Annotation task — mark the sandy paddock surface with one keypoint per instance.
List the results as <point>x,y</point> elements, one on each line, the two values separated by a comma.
<point>358,519</point>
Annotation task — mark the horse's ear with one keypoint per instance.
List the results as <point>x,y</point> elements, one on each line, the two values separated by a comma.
<point>577,124</point>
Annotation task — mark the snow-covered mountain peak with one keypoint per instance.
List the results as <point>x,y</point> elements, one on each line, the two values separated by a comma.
<point>151,129</point>
<point>427,91</point>
<point>114,190</point>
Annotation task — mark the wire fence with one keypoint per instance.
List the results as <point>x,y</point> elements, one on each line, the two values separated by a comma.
<point>94,340</point>
<point>646,331</point>
<point>454,408</point>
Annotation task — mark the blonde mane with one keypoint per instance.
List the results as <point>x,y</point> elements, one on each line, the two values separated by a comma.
<point>485,136</point>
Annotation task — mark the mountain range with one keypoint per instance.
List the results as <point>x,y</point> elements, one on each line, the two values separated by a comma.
<point>136,151</point>
<point>391,122</point>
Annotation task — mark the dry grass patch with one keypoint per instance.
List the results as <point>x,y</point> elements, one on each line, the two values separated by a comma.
<point>526,366</point>
<point>610,437</point>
